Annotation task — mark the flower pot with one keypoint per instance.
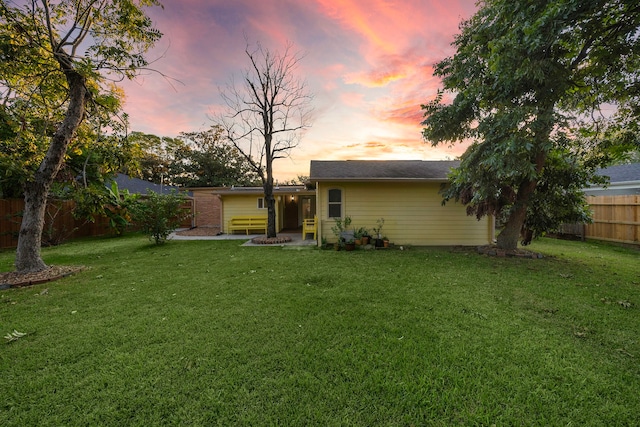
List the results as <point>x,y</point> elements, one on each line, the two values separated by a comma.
<point>358,242</point>
<point>365,240</point>
<point>385,243</point>
<point>349,246</point>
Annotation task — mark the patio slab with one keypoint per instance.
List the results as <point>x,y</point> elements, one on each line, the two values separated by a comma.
<point>296,239</point>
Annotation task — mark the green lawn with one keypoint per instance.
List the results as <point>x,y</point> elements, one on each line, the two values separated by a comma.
<point>211,333</point>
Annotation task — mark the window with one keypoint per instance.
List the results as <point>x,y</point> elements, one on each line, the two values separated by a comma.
<point>335,203</point>
<point>261,204</point>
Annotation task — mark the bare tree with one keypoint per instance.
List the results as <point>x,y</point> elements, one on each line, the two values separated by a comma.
<point>266,114</point>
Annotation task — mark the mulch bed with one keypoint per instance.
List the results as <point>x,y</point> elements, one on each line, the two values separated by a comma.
<point>264,240</point>
<point>200,231</point>
<point>491,250</point>
<point>13,279</point>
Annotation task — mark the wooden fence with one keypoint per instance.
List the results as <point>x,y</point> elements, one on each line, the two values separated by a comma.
<point>615,219</point>
<point>59,225</point>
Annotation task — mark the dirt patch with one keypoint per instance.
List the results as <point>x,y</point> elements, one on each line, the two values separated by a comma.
<point>13,279</point>
<point>200,231</point>
<point>497,252</point>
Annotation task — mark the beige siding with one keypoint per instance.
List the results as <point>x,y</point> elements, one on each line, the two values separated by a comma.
<point>413,214</point>
<point>242,205</point>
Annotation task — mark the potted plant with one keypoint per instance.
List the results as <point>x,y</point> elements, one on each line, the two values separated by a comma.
<point>357,235</point>
<point>365,236</point>
<point>362,236</point>
<point>339,229</point>
<point>385,242</point>
<point>376,231</point>
<point>350,245</point>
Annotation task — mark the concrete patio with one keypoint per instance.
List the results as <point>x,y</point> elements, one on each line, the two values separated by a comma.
<point>296,238</point>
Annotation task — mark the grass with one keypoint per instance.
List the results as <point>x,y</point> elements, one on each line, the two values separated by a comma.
<point>210,333</point>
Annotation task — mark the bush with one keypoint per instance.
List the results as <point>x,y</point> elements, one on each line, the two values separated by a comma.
<point>158,215</point>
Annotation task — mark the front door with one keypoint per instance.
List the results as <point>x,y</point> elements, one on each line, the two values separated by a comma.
<point>291,213</point>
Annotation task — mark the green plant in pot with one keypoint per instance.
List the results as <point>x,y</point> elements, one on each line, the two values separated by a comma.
<point>365,236</point>
<point>340,230</point>
<point>357,236</point>
<point>377,233</point>
<point>362,236</point>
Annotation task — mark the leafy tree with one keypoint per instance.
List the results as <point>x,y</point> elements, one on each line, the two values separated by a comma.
<point>90,158</point>
<point>56,62</point>
<point>111,202</point>
<point>158,215</point>
<point>211,161</point>
<point>154,156</point>
<point>266,114</point>
<point>193,159</point>
<point>528,84</point>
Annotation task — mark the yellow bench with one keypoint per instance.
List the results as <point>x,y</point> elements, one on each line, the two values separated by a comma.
<point>247,223</point>
<point>310,225</point>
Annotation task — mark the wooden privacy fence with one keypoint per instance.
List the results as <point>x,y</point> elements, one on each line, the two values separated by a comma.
<point>59,224</point>
<point>615,219</point>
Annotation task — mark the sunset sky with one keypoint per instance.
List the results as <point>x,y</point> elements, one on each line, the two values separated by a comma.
<point>369,64</point>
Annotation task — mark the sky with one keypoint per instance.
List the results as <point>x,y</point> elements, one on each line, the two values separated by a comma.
<point>368,63</point>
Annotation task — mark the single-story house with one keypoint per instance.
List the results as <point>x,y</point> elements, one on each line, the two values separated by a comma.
<point>403,192</point>
<point>623,180</point>
<point>294,203</point>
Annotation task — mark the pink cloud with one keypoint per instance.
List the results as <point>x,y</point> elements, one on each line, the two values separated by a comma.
<point>352,99</point>
<point>368,63</point>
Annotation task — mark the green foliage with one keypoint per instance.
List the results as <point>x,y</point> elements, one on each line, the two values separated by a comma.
<point>34,90</point>
<point>340,229</point>
<point>378,228</point>
<point>193,159</point>
<point>211,161</point>
<point>117,208</point>
<point>158,215</point>
<point>154,156</point>
<point>115,204</point>
<point>527,87</point>
<point>559,197</point>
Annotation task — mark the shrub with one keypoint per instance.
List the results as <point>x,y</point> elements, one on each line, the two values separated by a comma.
<point>158,215</point>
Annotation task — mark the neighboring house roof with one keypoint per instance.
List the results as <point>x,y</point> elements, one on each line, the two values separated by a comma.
<point>283,189</point>
<point>622,173</point>
<point>140,186</point>
<point>623,179</point>
<point>380,170</point>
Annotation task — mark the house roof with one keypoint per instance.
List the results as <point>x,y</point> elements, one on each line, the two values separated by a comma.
<point>380,170</point>
<point>622,173</point>
<point>624,180</point>
<point>140,186</point>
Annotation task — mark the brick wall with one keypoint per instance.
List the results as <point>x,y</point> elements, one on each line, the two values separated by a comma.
<point>208,208</point>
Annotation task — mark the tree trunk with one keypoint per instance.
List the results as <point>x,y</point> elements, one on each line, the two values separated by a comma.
<point>28,257</point>
<point>270,200</point>
<point>508,237</point>
<point>268,183</point>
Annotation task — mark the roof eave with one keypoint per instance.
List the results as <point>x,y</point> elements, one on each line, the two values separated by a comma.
<point>260,192</point>
<point>620,185</point>
<point>436,180</point>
